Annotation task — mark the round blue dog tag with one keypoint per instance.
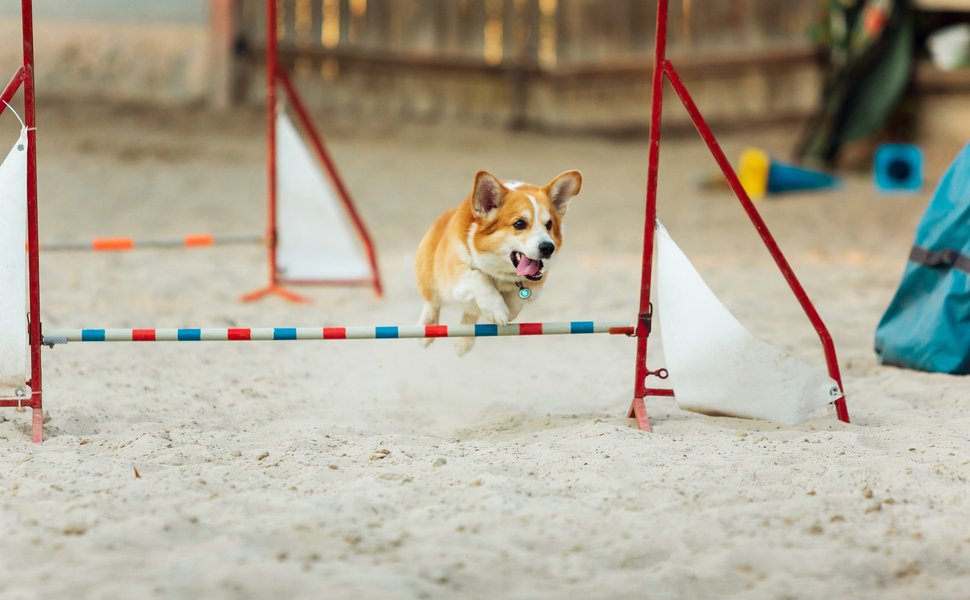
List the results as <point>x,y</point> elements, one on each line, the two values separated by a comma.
<point>525,293</point>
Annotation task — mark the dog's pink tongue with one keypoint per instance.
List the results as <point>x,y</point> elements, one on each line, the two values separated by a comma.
<point>527,266</point>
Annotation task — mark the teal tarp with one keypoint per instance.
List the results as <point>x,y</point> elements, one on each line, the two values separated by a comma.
<point>927,324</point>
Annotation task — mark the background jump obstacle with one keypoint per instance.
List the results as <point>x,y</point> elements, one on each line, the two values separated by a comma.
<point>120,244</point>
<point>279,334</point>
<point>24,78</point>
<point>285,264</point>
<point>315,235</point>
<point>664,69</point>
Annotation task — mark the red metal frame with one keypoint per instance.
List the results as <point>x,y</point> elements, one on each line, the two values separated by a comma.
<point>275,75</point>
<point>662,69</point>
<point>25,77</point>
<point>274,287</point>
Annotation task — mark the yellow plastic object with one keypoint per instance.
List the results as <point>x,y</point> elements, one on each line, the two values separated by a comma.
<point>753,172</point>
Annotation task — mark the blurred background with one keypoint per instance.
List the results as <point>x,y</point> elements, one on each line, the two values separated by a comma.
<point>548,65</point>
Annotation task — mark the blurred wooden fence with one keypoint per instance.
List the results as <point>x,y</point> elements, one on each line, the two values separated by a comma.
<point>560,64</point>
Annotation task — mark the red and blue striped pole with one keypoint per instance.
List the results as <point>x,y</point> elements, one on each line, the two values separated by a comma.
<point>252,334</point>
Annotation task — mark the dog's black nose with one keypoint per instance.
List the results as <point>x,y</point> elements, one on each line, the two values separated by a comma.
<point>546,249</point>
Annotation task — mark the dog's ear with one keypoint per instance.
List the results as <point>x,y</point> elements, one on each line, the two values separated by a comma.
<point>563,188</point>
<point>489,193</point>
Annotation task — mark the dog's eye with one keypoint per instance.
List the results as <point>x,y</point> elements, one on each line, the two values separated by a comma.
<point>549,225</point>
<point>520,224</point>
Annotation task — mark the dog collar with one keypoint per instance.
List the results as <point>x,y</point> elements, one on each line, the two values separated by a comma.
<point>524,292</point>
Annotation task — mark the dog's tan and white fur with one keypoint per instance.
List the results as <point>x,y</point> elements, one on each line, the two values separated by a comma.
<point>502,238</point>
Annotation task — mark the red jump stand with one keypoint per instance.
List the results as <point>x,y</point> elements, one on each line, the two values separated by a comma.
<point>663,70</point>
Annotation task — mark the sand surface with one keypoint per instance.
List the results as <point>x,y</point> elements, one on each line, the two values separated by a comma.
<point>381,470</point>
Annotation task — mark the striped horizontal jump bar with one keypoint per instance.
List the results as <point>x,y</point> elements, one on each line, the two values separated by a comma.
<point>61,336</point>
<point>117,244</point>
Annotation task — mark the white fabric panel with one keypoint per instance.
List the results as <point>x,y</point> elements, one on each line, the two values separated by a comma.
<point>716,366</point>
<point>14,345</point>
<point>316,240</point>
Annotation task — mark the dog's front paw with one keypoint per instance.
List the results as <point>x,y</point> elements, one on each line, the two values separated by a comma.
<point>498,315</point>
<point>463,345</point>
<point>425,342</point>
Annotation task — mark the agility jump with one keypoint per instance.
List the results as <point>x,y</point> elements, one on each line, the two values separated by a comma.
<point>773,385</point>
<point>314,233</point>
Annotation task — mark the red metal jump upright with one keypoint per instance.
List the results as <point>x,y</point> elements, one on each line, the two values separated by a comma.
<point>274,77</point>
<point>274,287</point>
<point>24,77</point>
<point>663,68</point>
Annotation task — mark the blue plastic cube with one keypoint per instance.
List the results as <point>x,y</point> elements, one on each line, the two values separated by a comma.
<point>899,168</point>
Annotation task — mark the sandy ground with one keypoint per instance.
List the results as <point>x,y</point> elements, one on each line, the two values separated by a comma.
<point>381,470</point>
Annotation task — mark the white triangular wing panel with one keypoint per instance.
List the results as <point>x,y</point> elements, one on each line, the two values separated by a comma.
<point>316,241</point>
<point>716,366</point>
<point>14,344</point>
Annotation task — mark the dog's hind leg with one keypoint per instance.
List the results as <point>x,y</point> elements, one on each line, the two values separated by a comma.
<point>429,316</point>
<point>463,345</point>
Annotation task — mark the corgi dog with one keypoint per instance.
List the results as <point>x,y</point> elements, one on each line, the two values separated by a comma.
<point>490,255</point>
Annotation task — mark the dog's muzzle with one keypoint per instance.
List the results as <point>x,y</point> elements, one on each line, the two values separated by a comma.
<point>529,268</point>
